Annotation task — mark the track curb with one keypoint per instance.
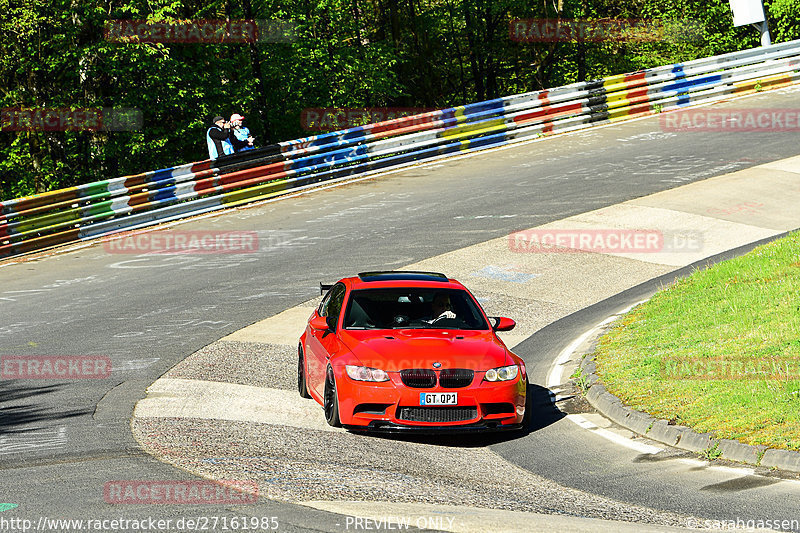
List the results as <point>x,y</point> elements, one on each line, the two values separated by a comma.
<point>677,436</point>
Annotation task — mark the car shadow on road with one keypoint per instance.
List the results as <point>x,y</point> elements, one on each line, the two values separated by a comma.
<point>544,412</point>
<point>17,416</point>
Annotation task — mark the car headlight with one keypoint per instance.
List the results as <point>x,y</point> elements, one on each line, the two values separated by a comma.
<point>364,373</point>
<point>504,373</point>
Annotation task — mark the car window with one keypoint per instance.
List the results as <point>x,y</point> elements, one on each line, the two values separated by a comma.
<point>332,303</point>
<point>413,308</point>
<point>323,306</point>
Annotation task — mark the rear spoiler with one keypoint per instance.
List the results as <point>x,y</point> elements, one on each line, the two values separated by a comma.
<point>325,287</point>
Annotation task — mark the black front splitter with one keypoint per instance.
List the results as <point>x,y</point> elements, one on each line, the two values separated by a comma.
<point>389,427</point>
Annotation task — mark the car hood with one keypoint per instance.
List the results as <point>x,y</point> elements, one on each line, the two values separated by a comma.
<point>394,350</point>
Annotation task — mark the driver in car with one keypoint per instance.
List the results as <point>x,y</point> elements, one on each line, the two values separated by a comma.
<point>441,308</point>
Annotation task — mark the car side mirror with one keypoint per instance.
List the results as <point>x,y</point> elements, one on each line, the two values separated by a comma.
<point>501,323</point>
<point>319,323</point>
<point>331,321</point>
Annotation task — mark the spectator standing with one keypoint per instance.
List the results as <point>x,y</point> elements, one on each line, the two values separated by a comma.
<point>218,138</point>
<point>240,135</point>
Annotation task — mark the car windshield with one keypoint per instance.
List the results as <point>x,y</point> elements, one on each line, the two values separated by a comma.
<point>404,308</point>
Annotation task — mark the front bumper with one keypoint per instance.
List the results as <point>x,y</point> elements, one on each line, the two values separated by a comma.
<point>389,427</point>
<point>381,407</point>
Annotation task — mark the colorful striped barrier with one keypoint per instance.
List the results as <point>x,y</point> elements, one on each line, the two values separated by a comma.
<point>96,209</point>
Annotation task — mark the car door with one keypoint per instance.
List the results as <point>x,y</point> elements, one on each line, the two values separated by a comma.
<point>322,345</point>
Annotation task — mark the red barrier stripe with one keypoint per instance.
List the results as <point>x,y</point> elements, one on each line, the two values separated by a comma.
<point>219,185</point>
<point>637,109</point>
<point>266,170</point>
<point>201,166</point>
<point>138,199</point>
<point>144,206</point>
<point>544,96</point>
<point>134,182</point>
<point>30,245</point>
<point>638,86</point>
<point>254,181</point>
<point>398,127</point>
<point>637,93</point>
<point>553,111</point>
<point>635,77</point>
<point>639,100</point>
<point>206,185</point>
<point>44,199</point>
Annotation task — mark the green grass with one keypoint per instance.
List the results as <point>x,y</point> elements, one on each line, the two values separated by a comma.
<point>718,351</point>
<point>581,379</point>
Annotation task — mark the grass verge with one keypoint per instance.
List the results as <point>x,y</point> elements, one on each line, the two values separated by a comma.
<point>718,351</point>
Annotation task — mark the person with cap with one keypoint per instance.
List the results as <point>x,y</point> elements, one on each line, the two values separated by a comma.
<point>240,135</point>
<point>218,138</point>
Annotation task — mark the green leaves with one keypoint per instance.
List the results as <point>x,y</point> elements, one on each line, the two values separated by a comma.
<point>784,19</point>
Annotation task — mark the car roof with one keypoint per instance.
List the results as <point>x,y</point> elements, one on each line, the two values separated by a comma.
<point>402,275</point>
<point>402,278</point>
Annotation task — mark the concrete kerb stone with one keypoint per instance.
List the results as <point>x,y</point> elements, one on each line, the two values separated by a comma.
<point>639,422</point>
<point>662,431</point>
<point>783,459</point>
<point>681,437</point>
<point>696,442</point>
<point>737,451</point>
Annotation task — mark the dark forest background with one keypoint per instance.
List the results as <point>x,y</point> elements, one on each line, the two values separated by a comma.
<point>344,53</point>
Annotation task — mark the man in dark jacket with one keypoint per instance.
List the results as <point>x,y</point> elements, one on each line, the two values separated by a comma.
<point>218,138</point>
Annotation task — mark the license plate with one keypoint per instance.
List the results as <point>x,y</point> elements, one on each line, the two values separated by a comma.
<point>438,398</point>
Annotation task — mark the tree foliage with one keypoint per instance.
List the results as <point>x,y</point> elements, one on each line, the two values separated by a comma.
<point>345,53</point>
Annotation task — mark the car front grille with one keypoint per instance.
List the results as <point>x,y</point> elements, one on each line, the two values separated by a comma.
<point>418,378</point>
<point>438,415</point>
<point>454,378</point>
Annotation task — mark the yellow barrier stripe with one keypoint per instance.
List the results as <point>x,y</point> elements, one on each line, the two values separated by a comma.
<point>488,126</point>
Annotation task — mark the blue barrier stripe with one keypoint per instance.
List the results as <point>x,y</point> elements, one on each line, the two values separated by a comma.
<point>692,83</point>
<point>328,157</point>
<point>164,173</point>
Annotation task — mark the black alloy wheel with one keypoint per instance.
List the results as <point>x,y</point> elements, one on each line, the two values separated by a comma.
<point>331,400</point>
<point>302,387</point>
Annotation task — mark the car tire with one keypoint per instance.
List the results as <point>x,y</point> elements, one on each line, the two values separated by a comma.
<point>331,400</point>
<point>302,385</point>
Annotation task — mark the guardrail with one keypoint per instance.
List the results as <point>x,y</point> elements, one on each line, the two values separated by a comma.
<point>102,208</point>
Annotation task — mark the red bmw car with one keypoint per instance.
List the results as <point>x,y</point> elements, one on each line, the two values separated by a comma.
<point>409,351</point>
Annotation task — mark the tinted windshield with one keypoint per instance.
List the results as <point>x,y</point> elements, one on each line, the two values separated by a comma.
<point>413,308</point>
